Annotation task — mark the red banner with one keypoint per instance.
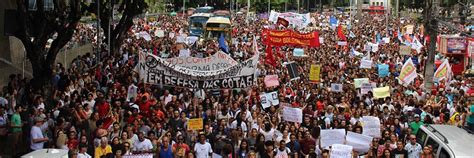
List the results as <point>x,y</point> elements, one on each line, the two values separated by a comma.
<point>290,38</point>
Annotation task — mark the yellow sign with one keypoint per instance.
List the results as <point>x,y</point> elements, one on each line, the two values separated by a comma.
<point>381,92</point>
<point>314,73</point>
<point>195,124</point>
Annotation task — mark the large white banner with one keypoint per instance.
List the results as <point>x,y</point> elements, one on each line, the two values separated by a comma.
<point>218,61</point>
<point>292,114</point>
<point>294,19</point>
<point>155,70</point>
<point>332,136</point>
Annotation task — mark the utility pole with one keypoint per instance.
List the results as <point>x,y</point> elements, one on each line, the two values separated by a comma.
<point>298,4</point>
<point>111,20</point>
<point>359,8</point>
<point>397,9</point>
<point>99,40</point>
<point>431,25</point>
<point>269,7</point>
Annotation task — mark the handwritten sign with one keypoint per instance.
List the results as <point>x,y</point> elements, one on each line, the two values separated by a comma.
<point>366,88</point>
<point>195,124</point>
<point>332,136</point>
<point>292,114</point>
<point>365,64</point>
<point>371,126</point>
<point>360,142</point>
<point>271,80</point>
<point>341,151</point>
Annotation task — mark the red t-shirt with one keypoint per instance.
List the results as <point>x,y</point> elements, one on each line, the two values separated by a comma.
<point>103,109</point>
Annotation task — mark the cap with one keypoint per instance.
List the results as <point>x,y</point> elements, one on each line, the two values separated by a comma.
<point>416,115</point>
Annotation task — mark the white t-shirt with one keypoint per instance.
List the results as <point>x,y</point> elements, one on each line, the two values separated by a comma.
<point>243,125</point>
<point>202,150</point>
<point>142,146</point>
<point>282,154</point>
<point>35,134</point>
<point>268,135</point>
<point>83,155</point>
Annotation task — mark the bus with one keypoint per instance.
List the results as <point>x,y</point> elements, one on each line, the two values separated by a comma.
<point>222,13</point>
<point>216,26</point>
<point>207,9</point>
<point>197,22</point>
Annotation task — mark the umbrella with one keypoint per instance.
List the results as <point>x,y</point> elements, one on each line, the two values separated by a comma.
<point>173,13</point>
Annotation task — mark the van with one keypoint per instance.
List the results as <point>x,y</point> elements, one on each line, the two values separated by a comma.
<point>447,141</point>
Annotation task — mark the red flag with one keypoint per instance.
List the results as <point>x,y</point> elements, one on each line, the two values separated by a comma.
<point>270,59</point>
<point>282,22</point>
<point>340,34</point>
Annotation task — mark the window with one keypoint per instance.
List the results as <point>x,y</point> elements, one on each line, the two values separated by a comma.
<point>373,3</point>
<point>421,137</point>
<point>48,5</point>
<point>32,5</point>
<point>433,143</point>
<point>443,154</point>
<point>381,3</point>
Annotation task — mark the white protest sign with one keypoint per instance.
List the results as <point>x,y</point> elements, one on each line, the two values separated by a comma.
<point>332,136</point>
<point>365,88</point>
<point>191,40</point>
<point>132,92</point>
<point>321,40</point>
<point>292,114</point>
<point>184,53</point>
<point>341,43</point>
<point>386,40</point>
<point>360,142</point>
<point>365,64</point>
<point>171,35</point>
<point>180,39</point>
<point>270,99</point>
<point>371,126</point>
<point>375,47</point>
<point>341,151</point>
<point>367,47</point>
<point>335,87</point>
<point>160,33</point>
<point>145,36</point>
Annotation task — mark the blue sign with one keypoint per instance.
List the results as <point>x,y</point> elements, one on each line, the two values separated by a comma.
<point>383,70</point>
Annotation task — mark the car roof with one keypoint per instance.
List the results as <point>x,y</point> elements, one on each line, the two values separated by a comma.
<point>202,14</point>
<point>459,140</point>
<point>221,20</point>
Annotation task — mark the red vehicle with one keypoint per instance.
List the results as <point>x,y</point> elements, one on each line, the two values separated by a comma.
<point>455,49</point>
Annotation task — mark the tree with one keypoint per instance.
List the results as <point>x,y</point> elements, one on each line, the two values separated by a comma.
<point>37,26</point>
<point>128,9</point>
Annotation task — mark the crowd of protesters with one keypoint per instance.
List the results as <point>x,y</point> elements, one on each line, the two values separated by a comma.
<point>89,110</point>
